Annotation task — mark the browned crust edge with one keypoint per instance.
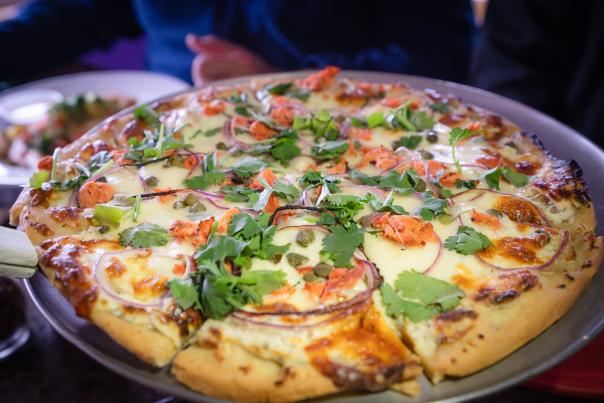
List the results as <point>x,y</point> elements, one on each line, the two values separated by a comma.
<point>498,332</point>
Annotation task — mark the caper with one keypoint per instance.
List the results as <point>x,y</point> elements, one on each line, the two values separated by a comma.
<point>554,210</point>
<point>197,208</point>
<point>221,146</point>
<point>277,258</point>
<point>103,229</point>
<point>296,259</point>
<point>512,145</point>
<point>421,186</point>
<point>174,161</point>
<point>339,118</point>
<point>322,269</point>
<point>190,200</point>
<point>309,277</point>
<point>151,181</point>
<point>357,145</point>
<point>305,237</point>
<point>101,179</point>
<point>178,204</point>
<point>432,136</point>
<point>427,155</point>
<point>494,212</point>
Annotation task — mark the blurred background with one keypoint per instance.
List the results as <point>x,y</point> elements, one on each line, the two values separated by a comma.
<point>67,64</point>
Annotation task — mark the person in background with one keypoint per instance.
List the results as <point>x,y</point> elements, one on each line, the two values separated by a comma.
<point>548,54</point>
<point>238,37</point>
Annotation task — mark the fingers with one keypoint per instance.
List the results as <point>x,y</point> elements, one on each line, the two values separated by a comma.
<point>218,59</point>
<point>211,67</point>
<point>209,44</point>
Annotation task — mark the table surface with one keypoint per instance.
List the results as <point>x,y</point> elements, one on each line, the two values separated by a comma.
<point>50,369</point>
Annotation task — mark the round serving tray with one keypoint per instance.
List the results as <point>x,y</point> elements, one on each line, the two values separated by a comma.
<point>581,324</point>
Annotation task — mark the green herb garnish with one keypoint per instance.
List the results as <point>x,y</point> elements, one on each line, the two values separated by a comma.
<point>467,241</point>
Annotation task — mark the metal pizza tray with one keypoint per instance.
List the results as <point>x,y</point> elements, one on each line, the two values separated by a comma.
<point>581,324</point>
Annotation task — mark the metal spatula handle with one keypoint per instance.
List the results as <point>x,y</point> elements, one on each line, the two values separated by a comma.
<point>18,257</point>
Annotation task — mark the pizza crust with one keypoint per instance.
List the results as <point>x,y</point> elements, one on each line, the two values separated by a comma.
<point>497,332</point>
<point>147,344</point>
<point>228,371</point>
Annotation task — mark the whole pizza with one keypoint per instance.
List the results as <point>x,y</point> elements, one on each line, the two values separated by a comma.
<point>284,239</point>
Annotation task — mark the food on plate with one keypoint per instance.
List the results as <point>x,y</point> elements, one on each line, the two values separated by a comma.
<point>290,238</point>
<point>65,122</point>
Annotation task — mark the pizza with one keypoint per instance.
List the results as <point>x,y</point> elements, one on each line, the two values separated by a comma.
<point>288,238</point>
<point>25,144</point>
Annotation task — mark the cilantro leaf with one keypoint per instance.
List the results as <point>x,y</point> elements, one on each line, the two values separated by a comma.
<point>428,290</point>
<point>184,291</point>
<point>419,297</point>
<point>340,244</point>
<point>238,194</point>
<point>386,205</point>
<point>345,207</point>
<point>492,177</point>
<point>515,178</point>
<point>406,182</point>
<point>364,178</point>
<point>467,241</point>
<point>329,149</point>
<point>281,189</point>
<point>286,191</point>
<point>220,247</point>
<point>439,107</point>
<point>404,118</point>
<point>455,136</point>
<point>321,124</point>
<point>285,151</point>
<point>288,89</point>
<point>468,184</point>
<point>280,88</point>
<point>283,147</point>
<point>209,176</point>
<point>205,181</point>
<point>247,167</point>
<point>244,225</point>
<point>147,114</point>
<point>432,207</point>
<point>221,292</point>
<point>144,236</point>
<point>410,142</point>
<point>311,179</point>
<point>397,306</point>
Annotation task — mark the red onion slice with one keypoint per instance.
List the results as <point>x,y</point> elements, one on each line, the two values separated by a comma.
<point>229,135</point>
<point>545,265</point>
<point>99,276</point>
<point>237,315</point>
<point>357,299</point>
<point>482,192</point>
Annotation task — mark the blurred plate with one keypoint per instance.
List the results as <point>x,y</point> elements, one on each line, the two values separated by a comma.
<point>143,86</point>
<point>574,330</point>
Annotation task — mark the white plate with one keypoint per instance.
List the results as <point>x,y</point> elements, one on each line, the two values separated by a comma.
<point>143,86</point>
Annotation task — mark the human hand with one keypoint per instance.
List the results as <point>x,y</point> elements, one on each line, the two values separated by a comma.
<point>218,59</point>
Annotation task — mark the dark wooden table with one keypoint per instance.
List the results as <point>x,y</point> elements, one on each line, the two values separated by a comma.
<point>49,369</point>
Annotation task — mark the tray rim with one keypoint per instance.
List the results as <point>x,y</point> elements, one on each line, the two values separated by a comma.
<point>186,393</point>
